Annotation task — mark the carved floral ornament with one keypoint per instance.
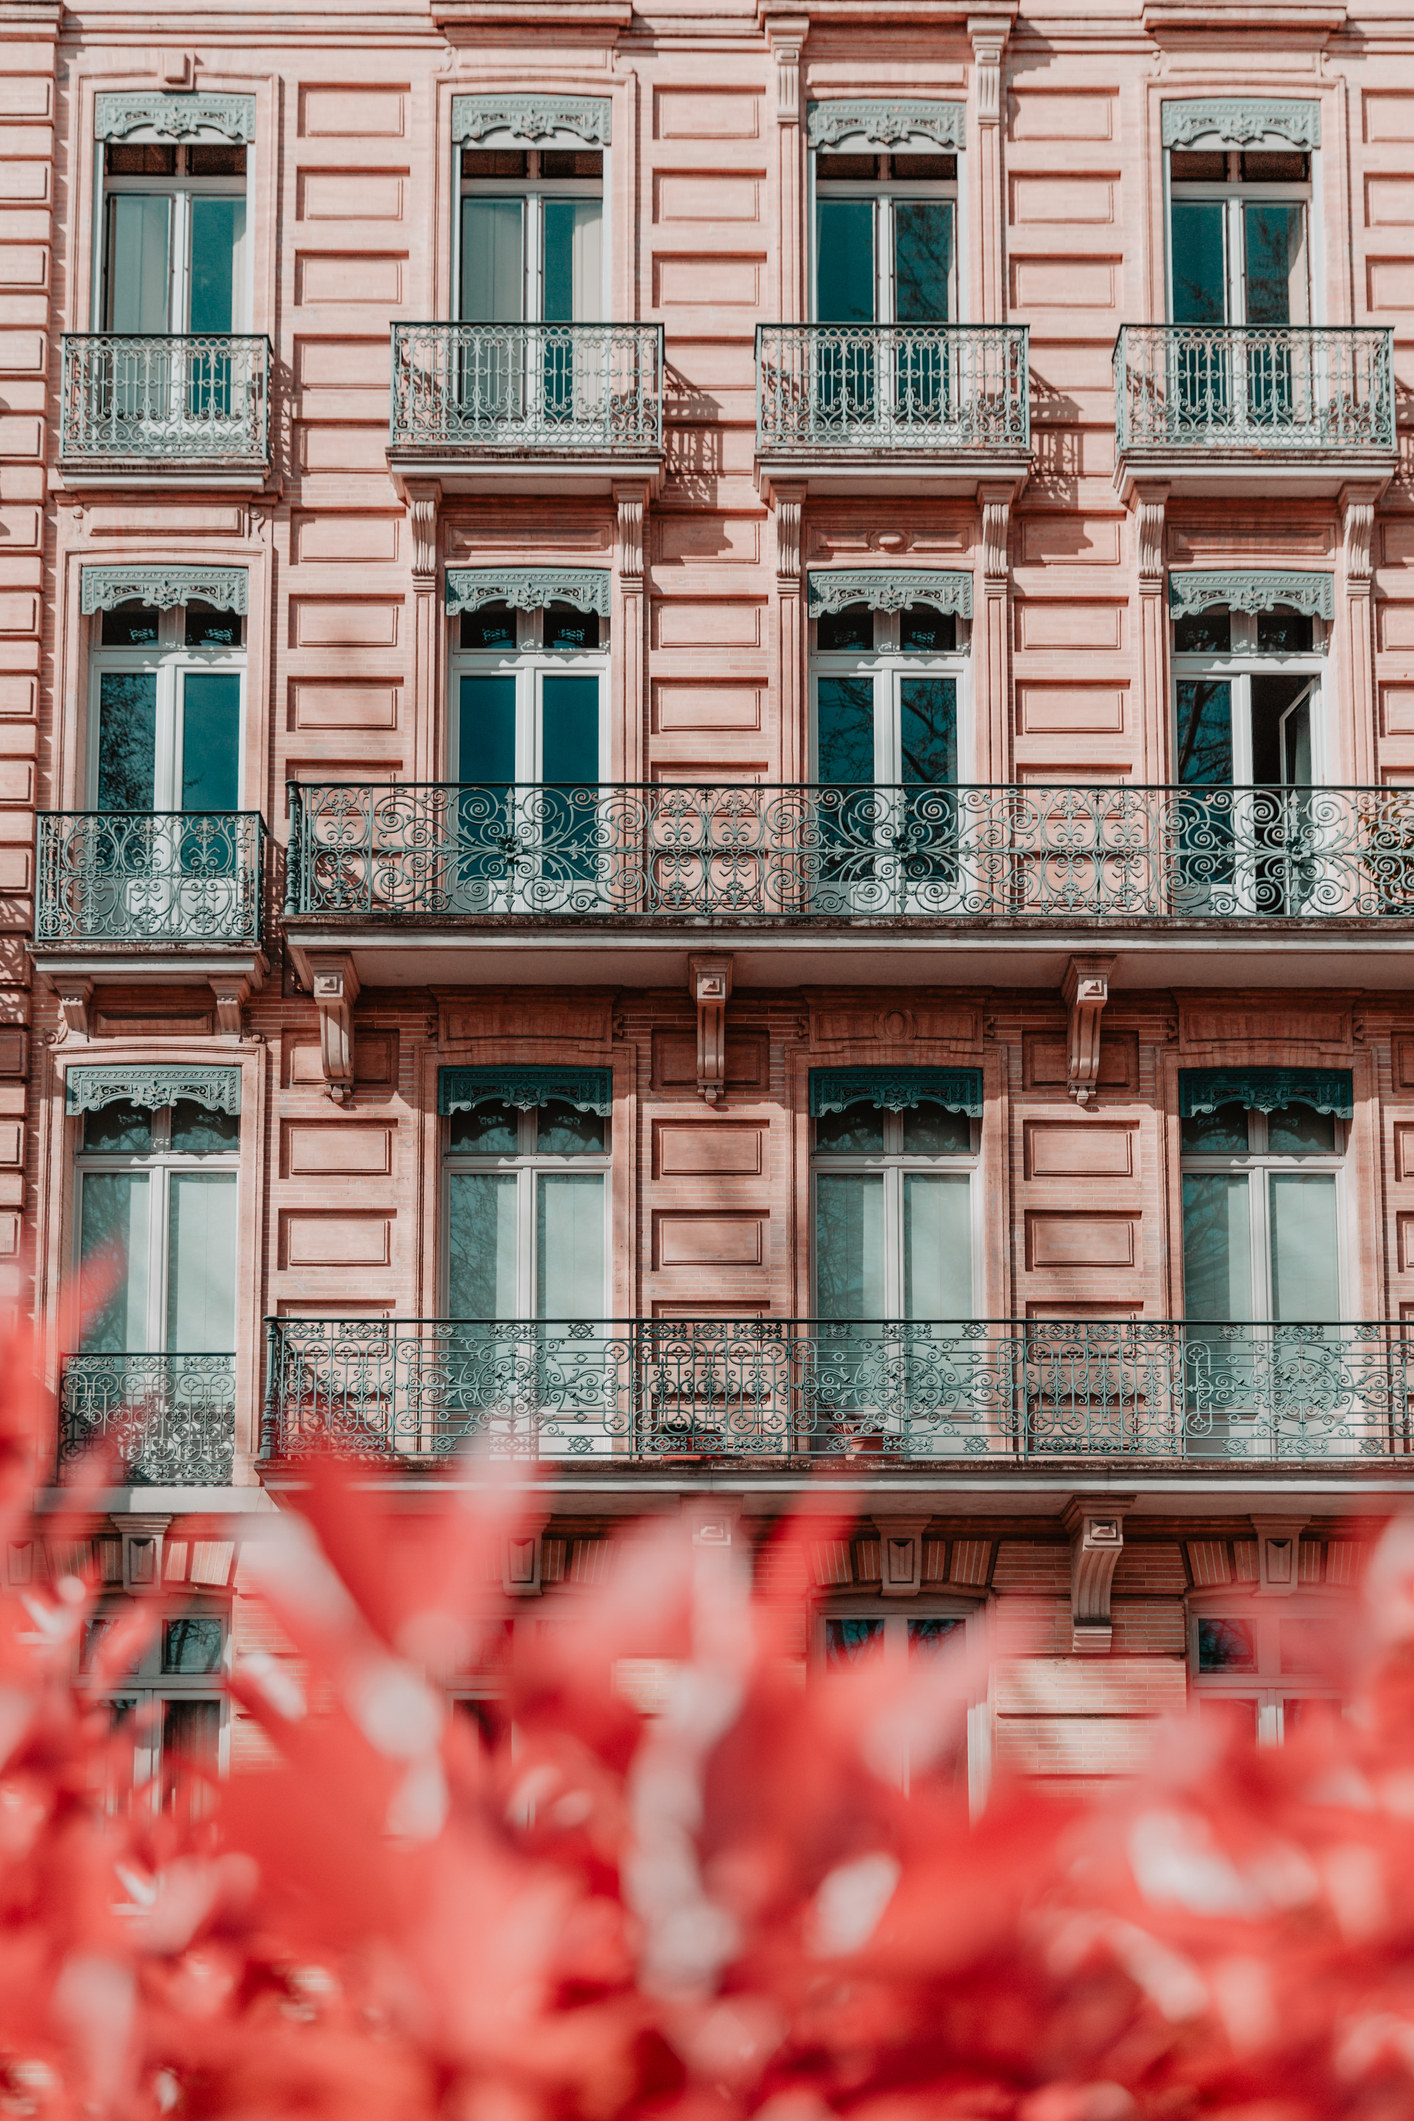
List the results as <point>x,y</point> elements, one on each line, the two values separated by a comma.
<point>891,589</point>
<point>887,123</point>
<point>1265,1090</point>
<point>532,119</point>
<point>168,114</point>
<point>1311,594</point>
<point>896,1089</point>
<point>528,588</point>
<point>104,588</point>
<point>90,1089</point>
<point>1241,121</point>
<point>525,1088</point>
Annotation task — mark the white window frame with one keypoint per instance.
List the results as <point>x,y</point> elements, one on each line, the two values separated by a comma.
<point>896,1163</point>
<point>896,1613</point>
<point>888,665</point>
<point>1233,193</point>
<point>1266,1686</point>
<point>1257,1162</point>
<point>885,192</point>
<point>1238,668</point>
<point>533,190</point>
<point>181,189</point>
<point>149,1688</point>
<point>527,1164</point>
<point>170,658</point>
<point>529,662</point>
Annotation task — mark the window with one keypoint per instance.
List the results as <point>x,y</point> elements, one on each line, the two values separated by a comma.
<point>156,1229</point>
<point>168,1710</point>
<point>886,696</point>
<point>529,687</point>
<point>856,1631</point>
<point>527,1201</point>
<point>1263,1664</point>
<point>165,709</point>
<point>893,1214</point>
<point>1239,238</point>
<point>531,235</point>
<point>174,237</point>
<point>885,238</point>
<point>1262,1216</point>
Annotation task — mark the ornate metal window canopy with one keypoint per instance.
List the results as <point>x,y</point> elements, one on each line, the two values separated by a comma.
<point>896,1089</point>
<point>892,589</point>
<point>532,118</point>
<point>1265,1089</point>
<point>226,588</point>
<point>1241,121</point>
<point>528,588</point>
<point>173,114</point>
<point>887,123</point>
<point>90,1089</point>
<point>1313,594</point>
<point>463,1089</point>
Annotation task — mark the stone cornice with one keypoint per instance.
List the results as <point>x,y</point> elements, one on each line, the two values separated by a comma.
<point>1255,590</point>
<point>533,119</point>
<point>528,588</point>
<point>1241,121</point>
<point>173,114</point>
<point>890,589</point>
<point>225,588</point>
<point>887,122</point>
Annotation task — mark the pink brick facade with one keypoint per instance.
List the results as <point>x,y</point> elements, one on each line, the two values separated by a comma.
<point>704,513</point>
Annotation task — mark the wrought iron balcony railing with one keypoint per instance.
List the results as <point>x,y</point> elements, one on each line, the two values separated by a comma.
<point>416,852</point>
<point>1279,388</point>
<point>165,398</point>
<point>528,390</point>
<point>166,1420</point>
<point>941,389</point>
<point>144,877</point>
<point>994,1390</point>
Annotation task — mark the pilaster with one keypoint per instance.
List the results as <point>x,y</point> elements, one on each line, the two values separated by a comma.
<point>1357,514</point>
<point>1150,504</point>
<point>991,645</point>
<point>785,36</point>
<point>429,750</point>
<point>631,501</point>
<point>789,502</point>
<point>988,37</point>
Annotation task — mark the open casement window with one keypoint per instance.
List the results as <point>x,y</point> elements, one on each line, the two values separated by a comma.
<point>174,238</point>
<point>169,1714</point>
<point>1263,1663</point>
<point>165,708</point>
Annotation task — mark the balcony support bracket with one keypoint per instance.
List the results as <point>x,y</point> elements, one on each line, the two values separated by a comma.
<point>710,985</point>
<point>74,994</point>
<point>1086,991</point>
<point>1096,1528</point>
<point>335,987</point>
<point>900,1555</point>
<point>232,991</point>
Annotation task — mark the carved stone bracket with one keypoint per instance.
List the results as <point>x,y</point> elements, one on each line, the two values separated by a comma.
<point>631,500</point>
<point>1150,503</point>
<point>786,36</point>
<point>888,123</point>
<point>521,1560</point>
<point>423,499</point>
<point>180,116</point>
<point>74,994</point>
<point>335,986</point>
<point>104,588</point>
<point>232,992</point>
<point>710,985</point>
<point>532,119</point>
<point>996,533</point>
<point>1241,121</point>
<point>1096,1528</point>
<point>988,43</point>
<point>528,588</point>
<point>142,1538</point>
<point>1086,991</point>
<point>789,500</point>
<point>1278,1554</point>
<point>901,1555</point>
<point>1357,506</point>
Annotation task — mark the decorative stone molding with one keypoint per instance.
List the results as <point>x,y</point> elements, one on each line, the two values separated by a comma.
<point>1278,1554</point>
<point>1265,1090</point>
<point>528,588</point>
<point>788,501</point>
<point>988,43</point>
<point>996,532</point>
<point>232,992</point>
<point>75,994</point>
<point>900,1555</point>
<point>1086,991</point>
<point>1313,594</point>
<point>173,115</point>
<point>631,502</point>
<point>887,123</point>
<point>423,499</point>
<point>335,984</point>
<point>710,985</point>
<point>526,1087</point>
<point>90,1089</point>
<point>142,1539</point>
<point>786,37</point>
<point>891,589</point>
<point>1150,505</point>
<point>521,1559</point>
<point>896,1089</point>
<point>104,588</point>
<point>533,119</point>
<point>1358,533</point>
<point>1096,1528</point>
<point>1241,121</point>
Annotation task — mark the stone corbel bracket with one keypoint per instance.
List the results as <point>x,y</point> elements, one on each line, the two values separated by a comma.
<point>1086,991</point>
<point>1096,1528</point>
<point>232,991</point>
<point>710,984</point>
<point>75,993</point>
<point>900,1555</point>
<point>334,984</point>
<point>522,1560</point>
<point>1278,1554</point>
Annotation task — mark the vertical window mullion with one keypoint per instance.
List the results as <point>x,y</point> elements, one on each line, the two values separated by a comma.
<point>1236,261</point>
<point>893,1241</point>
<point>527,1294</point>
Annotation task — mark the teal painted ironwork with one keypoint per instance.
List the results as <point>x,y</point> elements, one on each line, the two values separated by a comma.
<point>404,852</point>
<point>165,398</point>
<point>1266,1089</point>
<point>528,389</point>
<point>1273,389</point>
<point>869,1392</point>
<point>895,1089</point>
<point>167,1420</point>
<point>149,877</point>
<point>587,1089</point>
<point>130,1083</point>
<point>942,389</point>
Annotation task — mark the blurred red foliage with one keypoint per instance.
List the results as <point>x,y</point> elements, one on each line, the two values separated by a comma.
<point>741,1906</point>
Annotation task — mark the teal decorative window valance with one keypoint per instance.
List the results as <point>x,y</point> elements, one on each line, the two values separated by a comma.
<point>1241,121</point>
<point>528,588</point>
<point>891,589</point>
<point>1311,594</point>
<point>535,120</point>
<point>896,1089</point>
<point>173,114</point>
<point>463,1089</point>
<point>887,122</point>
<point>104,588</point>
<point>90,1089</point>
<point>1265,1089</point>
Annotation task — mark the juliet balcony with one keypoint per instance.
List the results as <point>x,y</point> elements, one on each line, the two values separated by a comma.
<point>858,1393</point>
<point>898,408</point>
<point>161,1420</point>
<point>553,408</point>
<point>145,409</point>
<point>1211,409</point>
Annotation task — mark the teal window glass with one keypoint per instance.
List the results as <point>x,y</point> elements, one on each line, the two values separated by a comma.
<point>569,1244</point>
<point>113,1261</point>
<point>1273,237</point>
<point>859,1129</point>
<point>197,1132</point>
<point>487,733</point>
<point>929,1130</point>
<point>211,732</point>
<point>572,259</point>
<point>850,1642</point>
<point>1205,733</point>
<point>129,625</point>
<point>138,291</point>
<point>492,290</point>
<point>844,251</point>
<point>1199,261</point>
<point>563,1131</point>
<point>482,1244</point>
<point>127,740</point>
<point>490,626</point>
<point>201,1262</point>
<point>1305,1281</point>
<point>928,731</point>
<point>204,626</point>
<point>569,728</point>
<point>487,1130</point>
<point>924,631</point>
<point>849,1244</point>
<point>1299,1130</point>
<point>217,227</point>
<point>927,1636</point>
<point>923,259</point>
<point>1217,1246</point>
<point>1226,1645</point>
<point>845,730</point>
<point>191,1645</point>
<point>1220,1133</point>
<point>837,632</point>
<point>568,628</point>
<point>937,1245</point>
<point>119,1129</point>
<point>1203,632</point>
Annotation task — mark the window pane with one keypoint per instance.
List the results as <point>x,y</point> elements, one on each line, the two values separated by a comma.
<point>928,731</point>
<point>1205,733</point>
<point>1297,1130</point>
<point>139,158</point>
<point>937,1245</point>
<point>491,260</point>
<point>191,1741</point>
<point>481,1245</point>
<point>571,162</point>
<point>926,1637</point>
<point>118,1130</point>
<point>113,1261</point>
<point>1281,731</point>
<point>139,261</point>
<point>217,226</point>
<point>923,248</point>
<point>197,1132</point>
<point>488,1130</point>
<point>1226,1645</point>
<point>924,631</point>
<point>491,626</point>
<point>203,626</point>
<point>206,159</point>
<point>1237,1712</point>
<point>1310,1646</point>
<point>487,742</point>
<point>567,628</point>
<point>570,1244</point>
<point>569,729</point>
<point>1275,267</point>
<point>564,1132</point>
<point>1194,166</point>
<point>1217,1247</point>
<point>1305,1280</point>
<point>849,1245</point>
<point>572,254</point>
<point>845,730</point>
<point>930,1131</point>
<point>848,631</point>
<point>1199,263</point>
<point>127,739</point>
<point>192,1644</point>
<point>486,162</point>
<point>851,1641</point>
<point>1284,631</point>
<point>211,735</point>
<point>201,1262</point>
<point>1221,1133</point>
<point>1203,632</point>
<point>131,625</point>
<point>844,250</point>
<point>858,1130</point>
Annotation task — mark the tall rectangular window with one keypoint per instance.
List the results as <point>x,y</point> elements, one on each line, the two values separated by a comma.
<point>1239,237</point>
<point>532,222</point>
<point>165,708</point>
<point>174,238</point>
<point>527,1196</point>
<point>885,238</point>
<point>893,1214</point>
<point>1261,1215</point>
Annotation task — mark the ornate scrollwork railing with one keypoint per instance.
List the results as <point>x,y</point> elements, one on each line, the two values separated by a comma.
<point>1264,388</point>
<point>168,1420</point>
<point>1002,1390</point>
<point>529,389</point>
<point>165,398</point>
<point>740,852</point>
<point>937,388</point>
<point>190,876</point>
